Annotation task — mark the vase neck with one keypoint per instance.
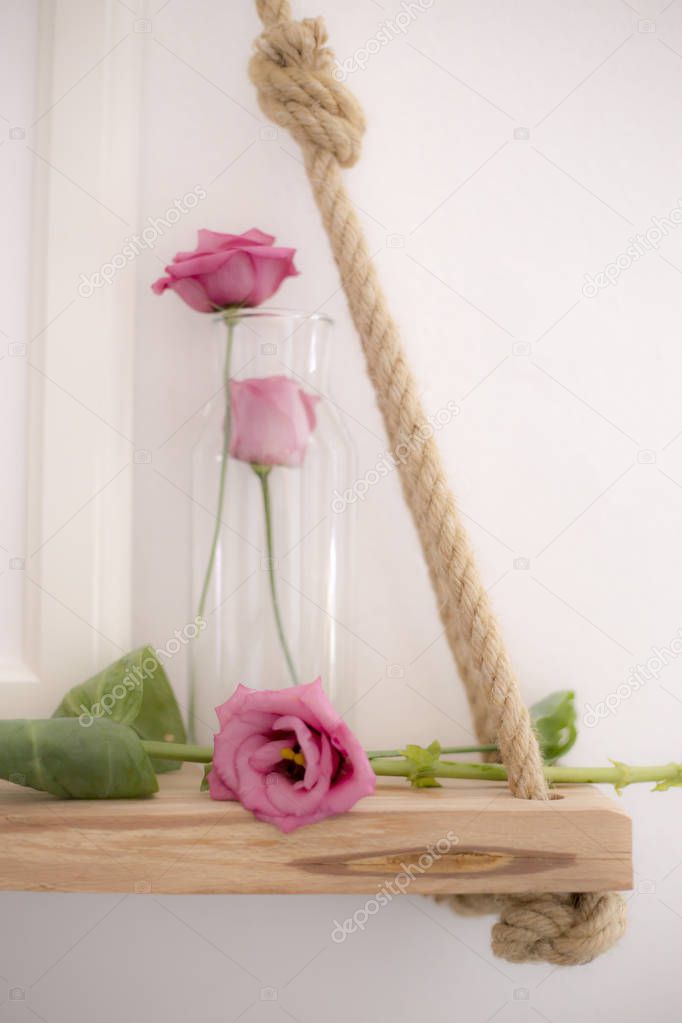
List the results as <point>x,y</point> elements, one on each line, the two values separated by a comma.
<point>275,344</point>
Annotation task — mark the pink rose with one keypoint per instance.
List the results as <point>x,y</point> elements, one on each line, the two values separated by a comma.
<point>287,756</point>
<point>228,270</point>
<point>272,419</point>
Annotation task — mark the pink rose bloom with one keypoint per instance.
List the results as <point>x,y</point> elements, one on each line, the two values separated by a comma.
<point>272,419</point>
<point>287,756</point>
<point>228,270</point>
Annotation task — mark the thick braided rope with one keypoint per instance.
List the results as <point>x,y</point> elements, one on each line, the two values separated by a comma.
<point>293,71</point>
<point>562,929</point>
<point>566,930</point>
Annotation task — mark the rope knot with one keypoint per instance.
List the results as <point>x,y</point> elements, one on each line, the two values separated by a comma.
<point>293,71</point>
<point>563,929</point>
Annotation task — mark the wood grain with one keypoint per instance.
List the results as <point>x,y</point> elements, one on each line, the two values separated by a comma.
<point>182,842</point>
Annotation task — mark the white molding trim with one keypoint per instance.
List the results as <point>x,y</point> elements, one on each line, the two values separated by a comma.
<point>77,587</point>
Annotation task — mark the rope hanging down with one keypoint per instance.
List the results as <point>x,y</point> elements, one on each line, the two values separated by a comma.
<point>293,72</point>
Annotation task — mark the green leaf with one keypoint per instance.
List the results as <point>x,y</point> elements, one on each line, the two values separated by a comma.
<point>113,693</point>
<point>104,760</point>
<point>203,787</point>
<point>625,776</point>
<point>669,783</point>
<point>134,691</point>
<point>422,763</point>
<point>554,720</point>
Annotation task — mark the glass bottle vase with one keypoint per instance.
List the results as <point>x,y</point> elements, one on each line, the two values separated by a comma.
<point>271,536</point>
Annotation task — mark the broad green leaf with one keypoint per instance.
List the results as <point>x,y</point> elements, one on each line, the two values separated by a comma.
<point>104,760</point>
<point>134,691</point>
<point>554,720</point>
<point>114,693</point>
<point>159,716</point>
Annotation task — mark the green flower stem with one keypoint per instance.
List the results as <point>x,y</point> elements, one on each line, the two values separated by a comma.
<point>375,754</point>
<point>230,320</point>
<point>178,751</point>
<point>231,317</point>
<point>619,774</point>
<point>263,474</point>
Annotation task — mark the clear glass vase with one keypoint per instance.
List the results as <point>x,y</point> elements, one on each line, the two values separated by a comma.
<point>272,575</point>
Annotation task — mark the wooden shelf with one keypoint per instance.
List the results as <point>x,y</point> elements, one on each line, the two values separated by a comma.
<point>182,842</point>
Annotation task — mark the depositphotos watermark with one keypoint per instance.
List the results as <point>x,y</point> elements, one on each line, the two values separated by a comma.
<point>387,32</point>
<point>639,245</point>
<point>389,461</point>
<point>137,243</point>
<point>397,886</point>
<point>649,671</point>
<point>138,674</point>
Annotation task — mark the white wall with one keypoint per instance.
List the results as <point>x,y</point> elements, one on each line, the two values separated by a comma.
<point>511,150</point>
<point>17,87</point>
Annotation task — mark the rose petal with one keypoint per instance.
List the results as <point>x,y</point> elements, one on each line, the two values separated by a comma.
<point>229,740</point>
<point>232,706</point>
<point>213,241</point>
<point>158,287</point>
<point>309,743</point>
<point>251,783</point>
<point>357,780</point>
<point>232,281</point>
<point>270,754</point>
<point>293,798</point>
<point>272,267</point>
<point>198,263</point>
<point>191,292</point>
<point>217,788</point>
<point>307,702</point>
